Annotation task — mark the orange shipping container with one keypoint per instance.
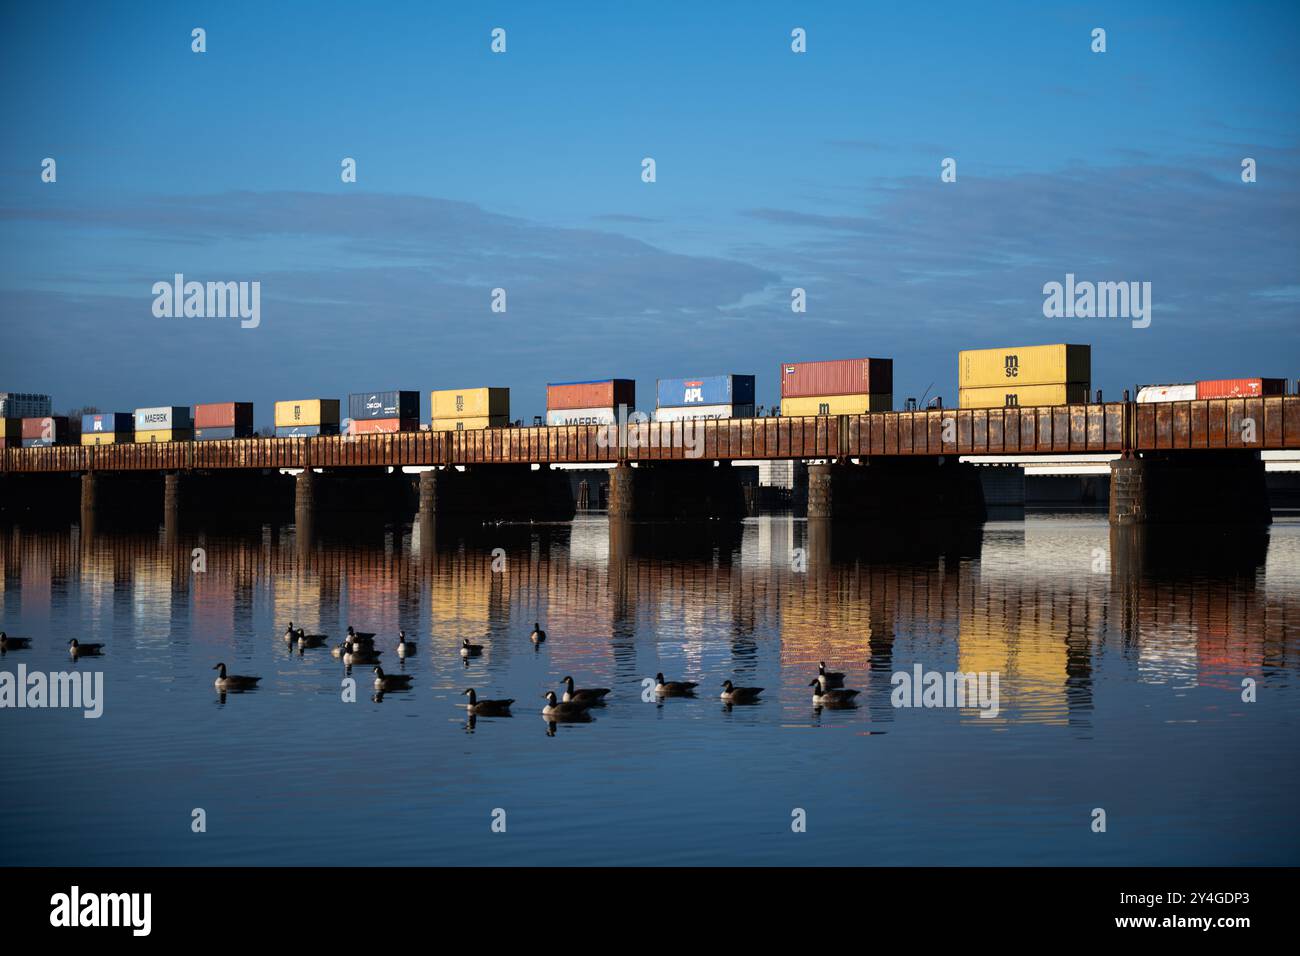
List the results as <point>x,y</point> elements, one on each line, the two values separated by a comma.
<point>606,393</point>
<point>378,426</point>
<point>838,377</point>
<point>1241,387</point>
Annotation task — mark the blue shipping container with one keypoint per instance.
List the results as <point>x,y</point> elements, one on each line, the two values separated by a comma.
<point>395,404</point>
<point>706,390</point>
<point>111,422</point>
<point>216,434</point>
<point>305,431</point>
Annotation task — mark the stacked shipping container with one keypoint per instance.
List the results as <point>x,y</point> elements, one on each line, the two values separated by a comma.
<point>108,428</point>
<point>372,413</point>
<point>589,403</point>
<point>837,387</point>
<point>705,396</point>
<point>44,430</point>
<point>218,420</point>
<point>1032,375</point>
<point>164,423</point>
<point>307,418</point>
<point>465,409</point>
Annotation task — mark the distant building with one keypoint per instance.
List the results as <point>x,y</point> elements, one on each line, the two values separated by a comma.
<point>24,405</point>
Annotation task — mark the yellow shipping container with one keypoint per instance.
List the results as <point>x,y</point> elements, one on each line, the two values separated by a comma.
<point>468,424</point>
<point>1071,394</point>
<point>838,404</point>
<point>163,434</point>
<point>99,438</point>
<point>463,403</point>
<point>307,411</point>
<point>1030,365</point>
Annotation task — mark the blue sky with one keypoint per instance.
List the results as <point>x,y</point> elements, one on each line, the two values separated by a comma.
<point>522,171</point>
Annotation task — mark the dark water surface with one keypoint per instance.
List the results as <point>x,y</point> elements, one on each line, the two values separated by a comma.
<point>1120,688</point>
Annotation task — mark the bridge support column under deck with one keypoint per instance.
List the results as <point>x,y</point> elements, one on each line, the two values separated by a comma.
<point>304,495</point>
<point>676,491</point>
<point>897,491</point>
<point>1189,488</point>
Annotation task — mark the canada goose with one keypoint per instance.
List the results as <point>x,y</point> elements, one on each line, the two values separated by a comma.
<point>391,681</point>
<point>559,710</point>
<point>8,643</point>
<point>831,696</point>
<point>538,634</point>
<point>827,678</point>
<point>226,681</point>
<point>311,640</point>
<point>587,695</point>
<point>405,648</point>
<point>290,633</point>
<point>486,708</point>
<point>354,654</point>
<point>673,688</point>
<point>470,650</point>
<point>739,695</point>
<point>77,649</point>
<point>360,637</point>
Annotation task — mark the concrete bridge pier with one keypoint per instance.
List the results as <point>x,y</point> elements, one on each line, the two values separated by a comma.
<point>676,491</point>
<point>304,496</point>
<point>897,491</point>
<point>1219,488</point>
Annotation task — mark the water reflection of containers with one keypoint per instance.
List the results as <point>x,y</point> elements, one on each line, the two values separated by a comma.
<point>45,430</point>
<point>582,416</point>
<point>710,390</point>
<point>1149,394</point>
<point>163,417</point>
<point>865,376</point>
<point>383,426</point>
<point>223,420</point>
<point>689,412</point>
<point>602,393</point>
<point>393,404</point>
<point>1240,387</point>
<point>463,404</point>
<point>837,404</point>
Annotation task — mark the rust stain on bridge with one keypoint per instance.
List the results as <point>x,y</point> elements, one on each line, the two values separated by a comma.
<point>1056,429</point>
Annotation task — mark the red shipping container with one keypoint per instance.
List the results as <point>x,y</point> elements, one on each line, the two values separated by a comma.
<point>1240,387</point>
<point>375,426</point>
<point>224,415</point>
<point>838,377</point>
<point>607,393</point>
<point>39,427</point>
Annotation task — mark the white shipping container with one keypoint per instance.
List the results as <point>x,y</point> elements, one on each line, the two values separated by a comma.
<point>1166,393</point>
<point>582,416</point>
<point>163,417</point>
<point>680,413</point>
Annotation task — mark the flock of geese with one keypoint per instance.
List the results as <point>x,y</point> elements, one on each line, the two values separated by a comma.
<point>358,648</point>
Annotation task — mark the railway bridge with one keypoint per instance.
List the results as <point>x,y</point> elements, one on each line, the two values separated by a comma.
<point>1193,461</point>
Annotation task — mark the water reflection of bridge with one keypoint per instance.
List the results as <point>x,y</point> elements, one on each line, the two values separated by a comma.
<point>1044,617</point>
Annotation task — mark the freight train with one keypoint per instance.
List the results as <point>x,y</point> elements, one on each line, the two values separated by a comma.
<point>987,378</point>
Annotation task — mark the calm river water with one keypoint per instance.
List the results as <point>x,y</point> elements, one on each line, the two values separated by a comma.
<point>1120,684</point>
